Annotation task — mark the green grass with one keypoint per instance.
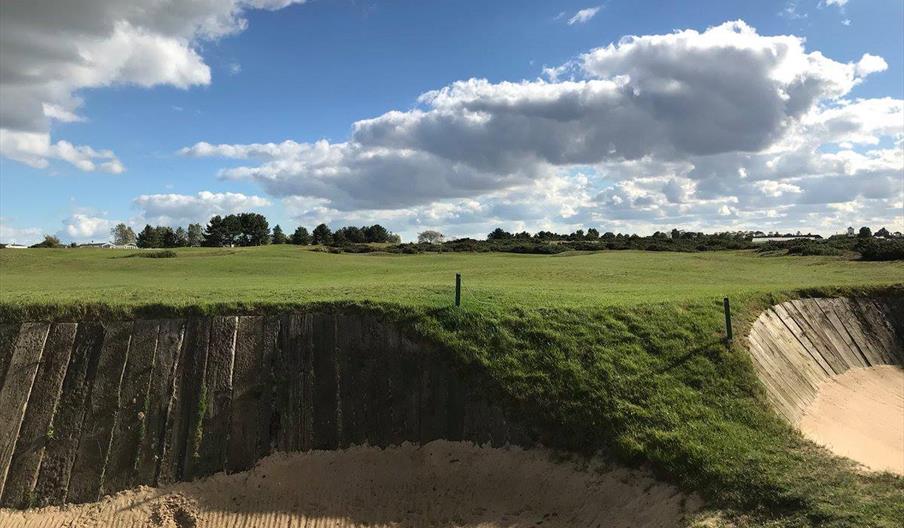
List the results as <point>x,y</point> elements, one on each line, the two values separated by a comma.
<point>618,352</point>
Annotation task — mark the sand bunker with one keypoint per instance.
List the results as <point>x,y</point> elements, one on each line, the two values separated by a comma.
<point>860,415</point>
<point>440,484</point>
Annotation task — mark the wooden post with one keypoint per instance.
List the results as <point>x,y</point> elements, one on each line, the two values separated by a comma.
<point>728,334</point>
<point>458,289</point>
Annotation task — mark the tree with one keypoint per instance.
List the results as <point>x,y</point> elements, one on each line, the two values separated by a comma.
<point>123,234</point>
<point>181,237</point>
<point>593,234</point>
<point>232,230</point>
<point>676,234</point>
<point>195,235</point>
<point>149,237</point>
<point>168,237</point>
<point>376,233</point>
<point>322,235</point>
<point>430,237</point>
<point>865,232</point>
<point>393,238</point>
<point>215,233</point>
<point>49,241</point>
<point>499,234</point>
<point>254,231</point>
<point>883,233</point>
<point>301,237</point>
<point>278,237</point>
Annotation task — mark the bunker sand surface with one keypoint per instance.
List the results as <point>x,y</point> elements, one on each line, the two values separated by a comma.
<point>860,415</point>
<point>833,369</point>
<point>440,484</point>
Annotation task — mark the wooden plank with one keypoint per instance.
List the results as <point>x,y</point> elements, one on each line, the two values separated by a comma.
<point>20,377</point>
<point>853,353</point>
<point>876,331</point>
<point>45,395</point>
<point>162,387</point>
<point>327,419</point>
<point>62,440</point>
<point>352,355</point>
<point>100,417</point>
<point>133,406</point>
<point>218,383</point>
<point>791,324</point>
<point>195,399</point>
<point>290,383</point>
<point>845,311</point>
<point>8,334</point>
<point>251,392</point>
<point>810,323</point>
<point>181,414</point>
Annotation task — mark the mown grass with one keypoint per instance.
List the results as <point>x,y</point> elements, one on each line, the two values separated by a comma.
<point>619,352</point>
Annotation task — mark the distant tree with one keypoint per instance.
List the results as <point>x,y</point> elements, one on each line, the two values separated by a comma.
<point>168,237</point>
<point>431,237</point>
<point>865,232</point>
<point>123,234</point>
<point>195,235</point>
<point>215,234</point>
<point>49,241</point>
<point>523,235</point>
<point>181,237</point>
<point>376,234</point>
<point>499,234</point>
<point>278,237</point>
<point>393,238</point>
<point>593,234</point>
<point>149,237</point>
<point>254,231</point>
<point>577,235</point>
<point>883,233</point>
<point>609,235</point>
<point>350,234</point>
<point>322,235</point>
<point>676,234</point>
<point>301,237</point>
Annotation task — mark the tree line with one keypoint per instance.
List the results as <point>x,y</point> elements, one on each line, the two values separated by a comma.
<point>247,229</point>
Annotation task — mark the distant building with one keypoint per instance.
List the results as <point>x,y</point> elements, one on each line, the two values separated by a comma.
<point>108,245</point>
<point>15,246</point>
<point>851,232</point>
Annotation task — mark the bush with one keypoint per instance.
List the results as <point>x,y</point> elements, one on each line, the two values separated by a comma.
<point>873,249</point>
<point>167,253</point>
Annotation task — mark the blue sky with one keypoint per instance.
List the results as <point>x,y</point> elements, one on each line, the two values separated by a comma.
<point>310,71</point>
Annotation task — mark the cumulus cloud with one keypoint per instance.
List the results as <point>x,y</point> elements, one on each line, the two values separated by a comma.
<point>584,15</point>
<point>666,128</point>
<point>50,50</point>
<point>10,234</point>
<point>82,226</point>
<point>178,209</point>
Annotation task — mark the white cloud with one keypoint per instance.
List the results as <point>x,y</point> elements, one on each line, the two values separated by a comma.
<point>51,50</point>
<point>83,227</point>
<point>179,209</point>
<point>871,64</point>
<point>584,15</point>
<point>10,234</point>
<point>667,128</point>
<point>839,3</point>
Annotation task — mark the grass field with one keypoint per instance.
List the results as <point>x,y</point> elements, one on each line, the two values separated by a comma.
<point>618,352</point>
<point>293,275</point>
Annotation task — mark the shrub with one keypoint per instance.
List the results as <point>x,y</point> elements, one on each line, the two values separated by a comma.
<point>167,253</point>
<point>872,249</point>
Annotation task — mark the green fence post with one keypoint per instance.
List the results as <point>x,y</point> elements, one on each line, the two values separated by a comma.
<point>728,335</point>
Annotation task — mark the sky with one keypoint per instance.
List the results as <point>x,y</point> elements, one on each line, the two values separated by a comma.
<point>459,116</point>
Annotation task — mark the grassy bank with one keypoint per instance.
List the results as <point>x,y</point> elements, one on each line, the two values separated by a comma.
<point>614,352</point>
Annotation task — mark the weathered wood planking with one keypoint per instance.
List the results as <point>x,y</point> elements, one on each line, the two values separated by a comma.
<point>798,345</point>
<point>45,394</point>
<point>20,377</point>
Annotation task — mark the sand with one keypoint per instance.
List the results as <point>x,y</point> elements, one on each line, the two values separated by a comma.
<point>441,484</point>
<point>860,415</point>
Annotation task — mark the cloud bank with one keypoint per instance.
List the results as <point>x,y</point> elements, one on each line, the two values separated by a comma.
<point>720,128</point>
<point>50,50</point>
